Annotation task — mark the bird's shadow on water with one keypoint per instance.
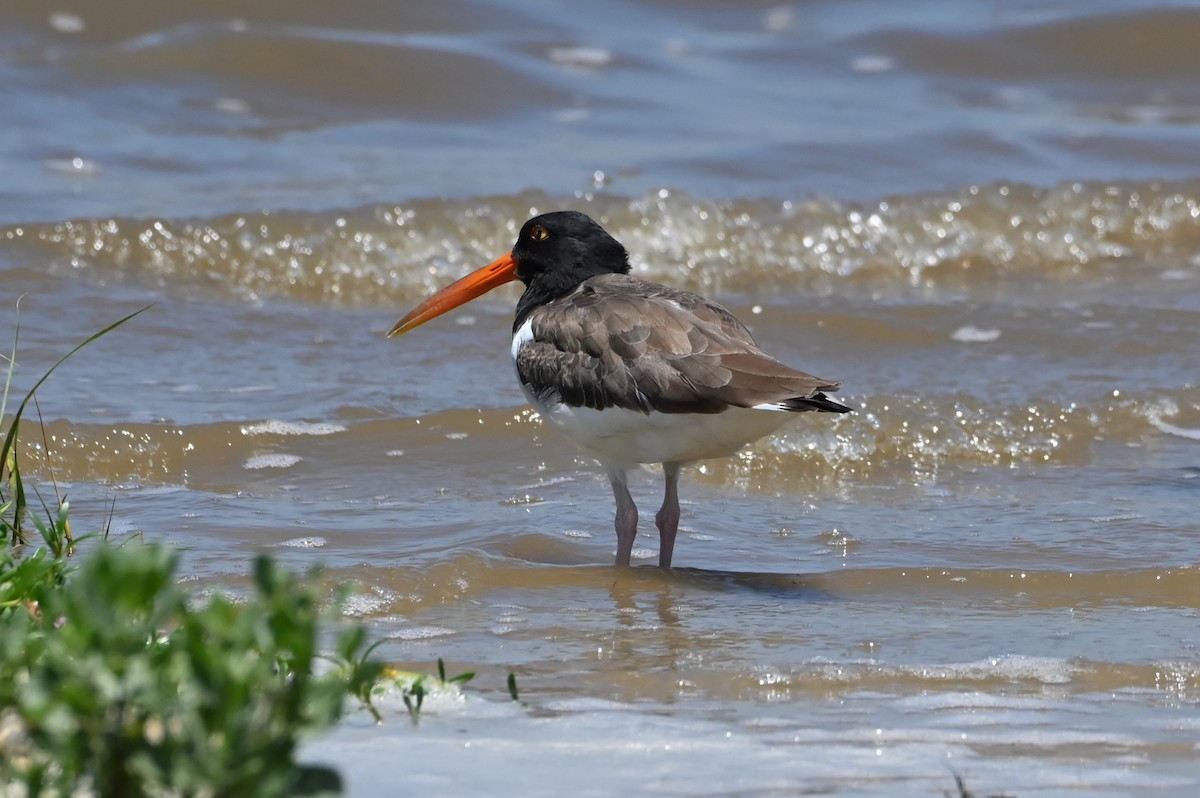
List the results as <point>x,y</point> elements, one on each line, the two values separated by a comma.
<point>795,587</point>
<point>630,584</point>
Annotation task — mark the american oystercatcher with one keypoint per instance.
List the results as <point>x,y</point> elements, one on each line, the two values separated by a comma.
<point>631,371</point>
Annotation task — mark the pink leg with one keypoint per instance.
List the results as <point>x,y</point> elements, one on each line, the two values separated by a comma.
<point>627,516</point>
<point>668,515</point>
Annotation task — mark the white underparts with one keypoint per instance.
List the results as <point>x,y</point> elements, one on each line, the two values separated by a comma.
<point>626,437</point>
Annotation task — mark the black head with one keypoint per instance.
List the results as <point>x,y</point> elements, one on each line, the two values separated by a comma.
<point>555,252</point>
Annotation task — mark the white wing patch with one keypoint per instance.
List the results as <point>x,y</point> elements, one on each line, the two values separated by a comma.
<point>771,406</point>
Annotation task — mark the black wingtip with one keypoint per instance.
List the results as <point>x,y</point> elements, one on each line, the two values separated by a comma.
<point>818,402</point>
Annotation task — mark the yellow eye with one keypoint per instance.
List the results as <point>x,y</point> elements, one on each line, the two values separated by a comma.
<point>539,233</point>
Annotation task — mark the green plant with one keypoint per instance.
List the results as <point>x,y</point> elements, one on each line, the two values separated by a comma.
<point>414,697</point>
<point>118,685</point>
<point>414,688</point>
<point>21,579</point>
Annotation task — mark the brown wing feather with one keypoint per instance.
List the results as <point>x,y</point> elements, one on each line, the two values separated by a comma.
<point>622,342</point>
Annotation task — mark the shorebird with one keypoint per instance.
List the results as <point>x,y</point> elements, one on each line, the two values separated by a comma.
<point>632,371</point>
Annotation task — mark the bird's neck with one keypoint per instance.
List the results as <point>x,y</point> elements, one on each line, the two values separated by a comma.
<point>543,285</point>
<point>543,289</point>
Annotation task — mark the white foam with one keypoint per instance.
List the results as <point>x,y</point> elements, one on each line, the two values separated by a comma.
<point>1165,407</point>
<point>1171,429</point>
<point>1048,670</point>
<point>305,543</point>
<point>271,461</point>
<point>361,604</point>
<point>66,22</point>
<point>974,335</point>
<point>279,427</point>
<point>420,633</point>
<point>972,700</point>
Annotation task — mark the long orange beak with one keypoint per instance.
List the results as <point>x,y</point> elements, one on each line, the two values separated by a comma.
<point>500,271</point>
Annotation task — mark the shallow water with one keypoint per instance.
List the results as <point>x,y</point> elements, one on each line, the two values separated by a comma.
<point>982,218</point>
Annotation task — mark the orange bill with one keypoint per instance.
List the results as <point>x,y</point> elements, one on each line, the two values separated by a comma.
<point>500,271</point>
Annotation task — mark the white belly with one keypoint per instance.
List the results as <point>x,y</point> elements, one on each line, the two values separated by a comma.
<point>624,437</point>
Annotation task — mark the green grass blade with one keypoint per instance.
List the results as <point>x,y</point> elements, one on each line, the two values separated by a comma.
<point>512,686</point>
<point>10,439</point>
<point>12,363</point>
<point>12,431</point>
